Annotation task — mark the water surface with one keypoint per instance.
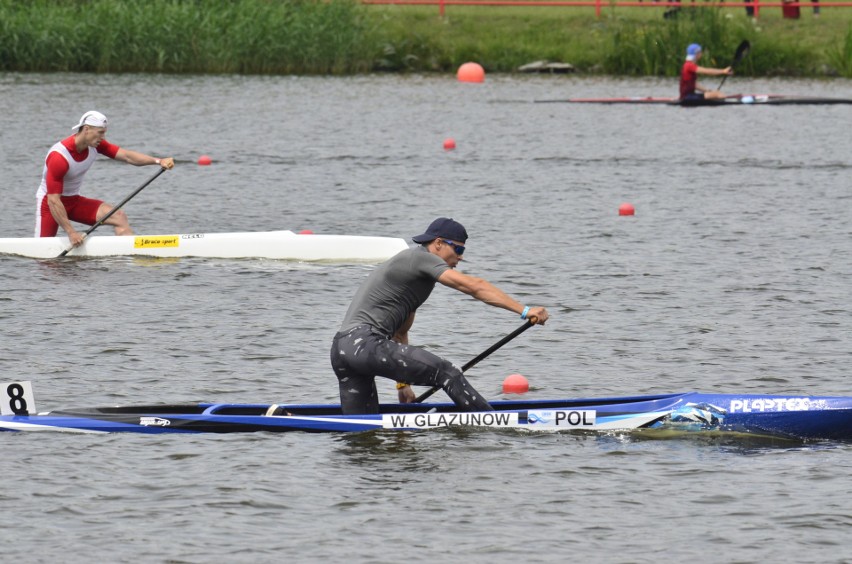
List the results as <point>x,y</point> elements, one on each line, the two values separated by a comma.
<point>733,276</point>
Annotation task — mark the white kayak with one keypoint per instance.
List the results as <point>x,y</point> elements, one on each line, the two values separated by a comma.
<point>285,245</point>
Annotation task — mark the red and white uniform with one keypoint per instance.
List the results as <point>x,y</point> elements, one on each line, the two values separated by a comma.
<point>64,169</point>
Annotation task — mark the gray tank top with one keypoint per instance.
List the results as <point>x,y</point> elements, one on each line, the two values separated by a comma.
<point>395,289</point>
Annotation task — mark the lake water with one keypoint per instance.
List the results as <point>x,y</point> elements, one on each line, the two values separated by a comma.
<point>733,276</point>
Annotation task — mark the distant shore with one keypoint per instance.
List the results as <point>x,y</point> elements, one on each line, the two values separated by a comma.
<point>344,37</point>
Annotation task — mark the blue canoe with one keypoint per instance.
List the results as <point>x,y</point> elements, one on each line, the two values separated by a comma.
<point>794,416</point>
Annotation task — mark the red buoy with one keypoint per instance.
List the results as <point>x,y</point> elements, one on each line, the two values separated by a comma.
<point>471,72</point>
<point>626,209</point>
<point>515,384</point>
<point>204,160</point>
<point>449,144</point>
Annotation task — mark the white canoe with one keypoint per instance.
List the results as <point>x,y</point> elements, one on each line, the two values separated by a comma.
<point>284,245</point>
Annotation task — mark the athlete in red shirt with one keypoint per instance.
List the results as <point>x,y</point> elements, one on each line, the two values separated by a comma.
<point>58,197</point>
<point>690,90</point>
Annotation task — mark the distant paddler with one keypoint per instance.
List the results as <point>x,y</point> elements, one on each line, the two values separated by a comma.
<point>690,90</point>
<point>58,199</point>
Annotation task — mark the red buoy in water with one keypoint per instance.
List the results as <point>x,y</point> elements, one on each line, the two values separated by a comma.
<point>626,209</point>
<point>449,144</point>
<point>515,384</point>
<point>471,72</point>
<point>204,160</point>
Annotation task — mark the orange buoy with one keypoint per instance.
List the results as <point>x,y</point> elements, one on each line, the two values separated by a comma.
<point>306,232</point>
<point>204,160</point>
<point>515,384</point>
<point>626,209</point>
<point>449,144</point>
<point>471,72</point>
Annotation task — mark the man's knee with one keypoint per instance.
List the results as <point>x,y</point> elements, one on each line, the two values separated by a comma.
<point>449,373</point>
<point>119,218</point>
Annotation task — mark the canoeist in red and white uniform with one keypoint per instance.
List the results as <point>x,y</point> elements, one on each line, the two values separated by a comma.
<point>58,199</point>
<point>690,90</point>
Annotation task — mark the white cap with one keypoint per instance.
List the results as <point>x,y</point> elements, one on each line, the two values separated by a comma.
<point>92,118</point>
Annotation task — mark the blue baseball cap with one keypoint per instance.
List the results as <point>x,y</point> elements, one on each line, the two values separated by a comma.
<point>444,227</point>
<point>693,50</point>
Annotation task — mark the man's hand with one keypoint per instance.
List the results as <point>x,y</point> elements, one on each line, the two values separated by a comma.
<point>538,315</point>
<point>406,394</point>
<point>75,238</point>
<point>168,163</point>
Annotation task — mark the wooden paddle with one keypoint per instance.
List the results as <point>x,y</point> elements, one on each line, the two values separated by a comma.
<point>115,209</point>
<point>742,51</point>
<point>527,324</point>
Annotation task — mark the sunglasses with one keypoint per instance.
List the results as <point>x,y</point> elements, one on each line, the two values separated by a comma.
<point>459,249</point>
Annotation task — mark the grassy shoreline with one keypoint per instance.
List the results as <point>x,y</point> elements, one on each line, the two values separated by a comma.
<point>345,37</point>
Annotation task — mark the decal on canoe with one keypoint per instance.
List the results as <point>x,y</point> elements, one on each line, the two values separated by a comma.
<point>561,418</point>
<point>749,405</point>
<point>154,422</point>
<point>155,241</point>
<point>701,414</point>
<point>431,420</point>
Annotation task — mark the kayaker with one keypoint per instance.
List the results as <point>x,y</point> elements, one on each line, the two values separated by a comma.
<point>690,90</point>
<point>373,338</point>
<point>58,199</point>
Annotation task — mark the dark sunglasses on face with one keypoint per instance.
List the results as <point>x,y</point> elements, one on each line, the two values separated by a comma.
<point>459,249</point>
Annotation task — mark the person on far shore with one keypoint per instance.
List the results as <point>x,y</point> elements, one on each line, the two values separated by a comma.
<point>690,90</point>
<point>58,199</point>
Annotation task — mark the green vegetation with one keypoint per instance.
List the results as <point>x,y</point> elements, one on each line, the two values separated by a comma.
<point>345,37</point>
<point>184,36</point>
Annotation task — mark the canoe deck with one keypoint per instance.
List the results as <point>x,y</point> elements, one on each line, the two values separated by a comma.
<point>282,245</point>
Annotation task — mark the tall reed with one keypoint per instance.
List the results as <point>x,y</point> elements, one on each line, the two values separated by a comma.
<point>346,37</point>
<point>184,36</point>
<point>659,47</point>
<point>840,57</point>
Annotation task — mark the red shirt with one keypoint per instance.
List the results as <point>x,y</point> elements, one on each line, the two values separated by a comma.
<point>688,78</point>
<point>57,166</point>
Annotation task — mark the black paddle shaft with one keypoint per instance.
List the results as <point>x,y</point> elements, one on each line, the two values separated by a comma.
<point>742,51</point>
<point>529,323</point>
<point>115,209</point>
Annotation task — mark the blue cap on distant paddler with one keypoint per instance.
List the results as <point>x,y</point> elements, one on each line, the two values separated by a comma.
<point>692,51</point>
<point>443,227</point>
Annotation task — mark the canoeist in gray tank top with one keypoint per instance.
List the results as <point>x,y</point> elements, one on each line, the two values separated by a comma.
<point>373,338</point>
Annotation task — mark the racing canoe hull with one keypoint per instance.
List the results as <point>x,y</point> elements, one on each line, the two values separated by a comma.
<point>283,245</point>
<point>796,417</point>
<point>734,100</point>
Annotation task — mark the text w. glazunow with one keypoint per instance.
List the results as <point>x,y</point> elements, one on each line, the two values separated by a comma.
<point>425,420</point>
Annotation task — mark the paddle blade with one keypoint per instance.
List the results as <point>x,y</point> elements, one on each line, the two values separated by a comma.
<point>742,51</point>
